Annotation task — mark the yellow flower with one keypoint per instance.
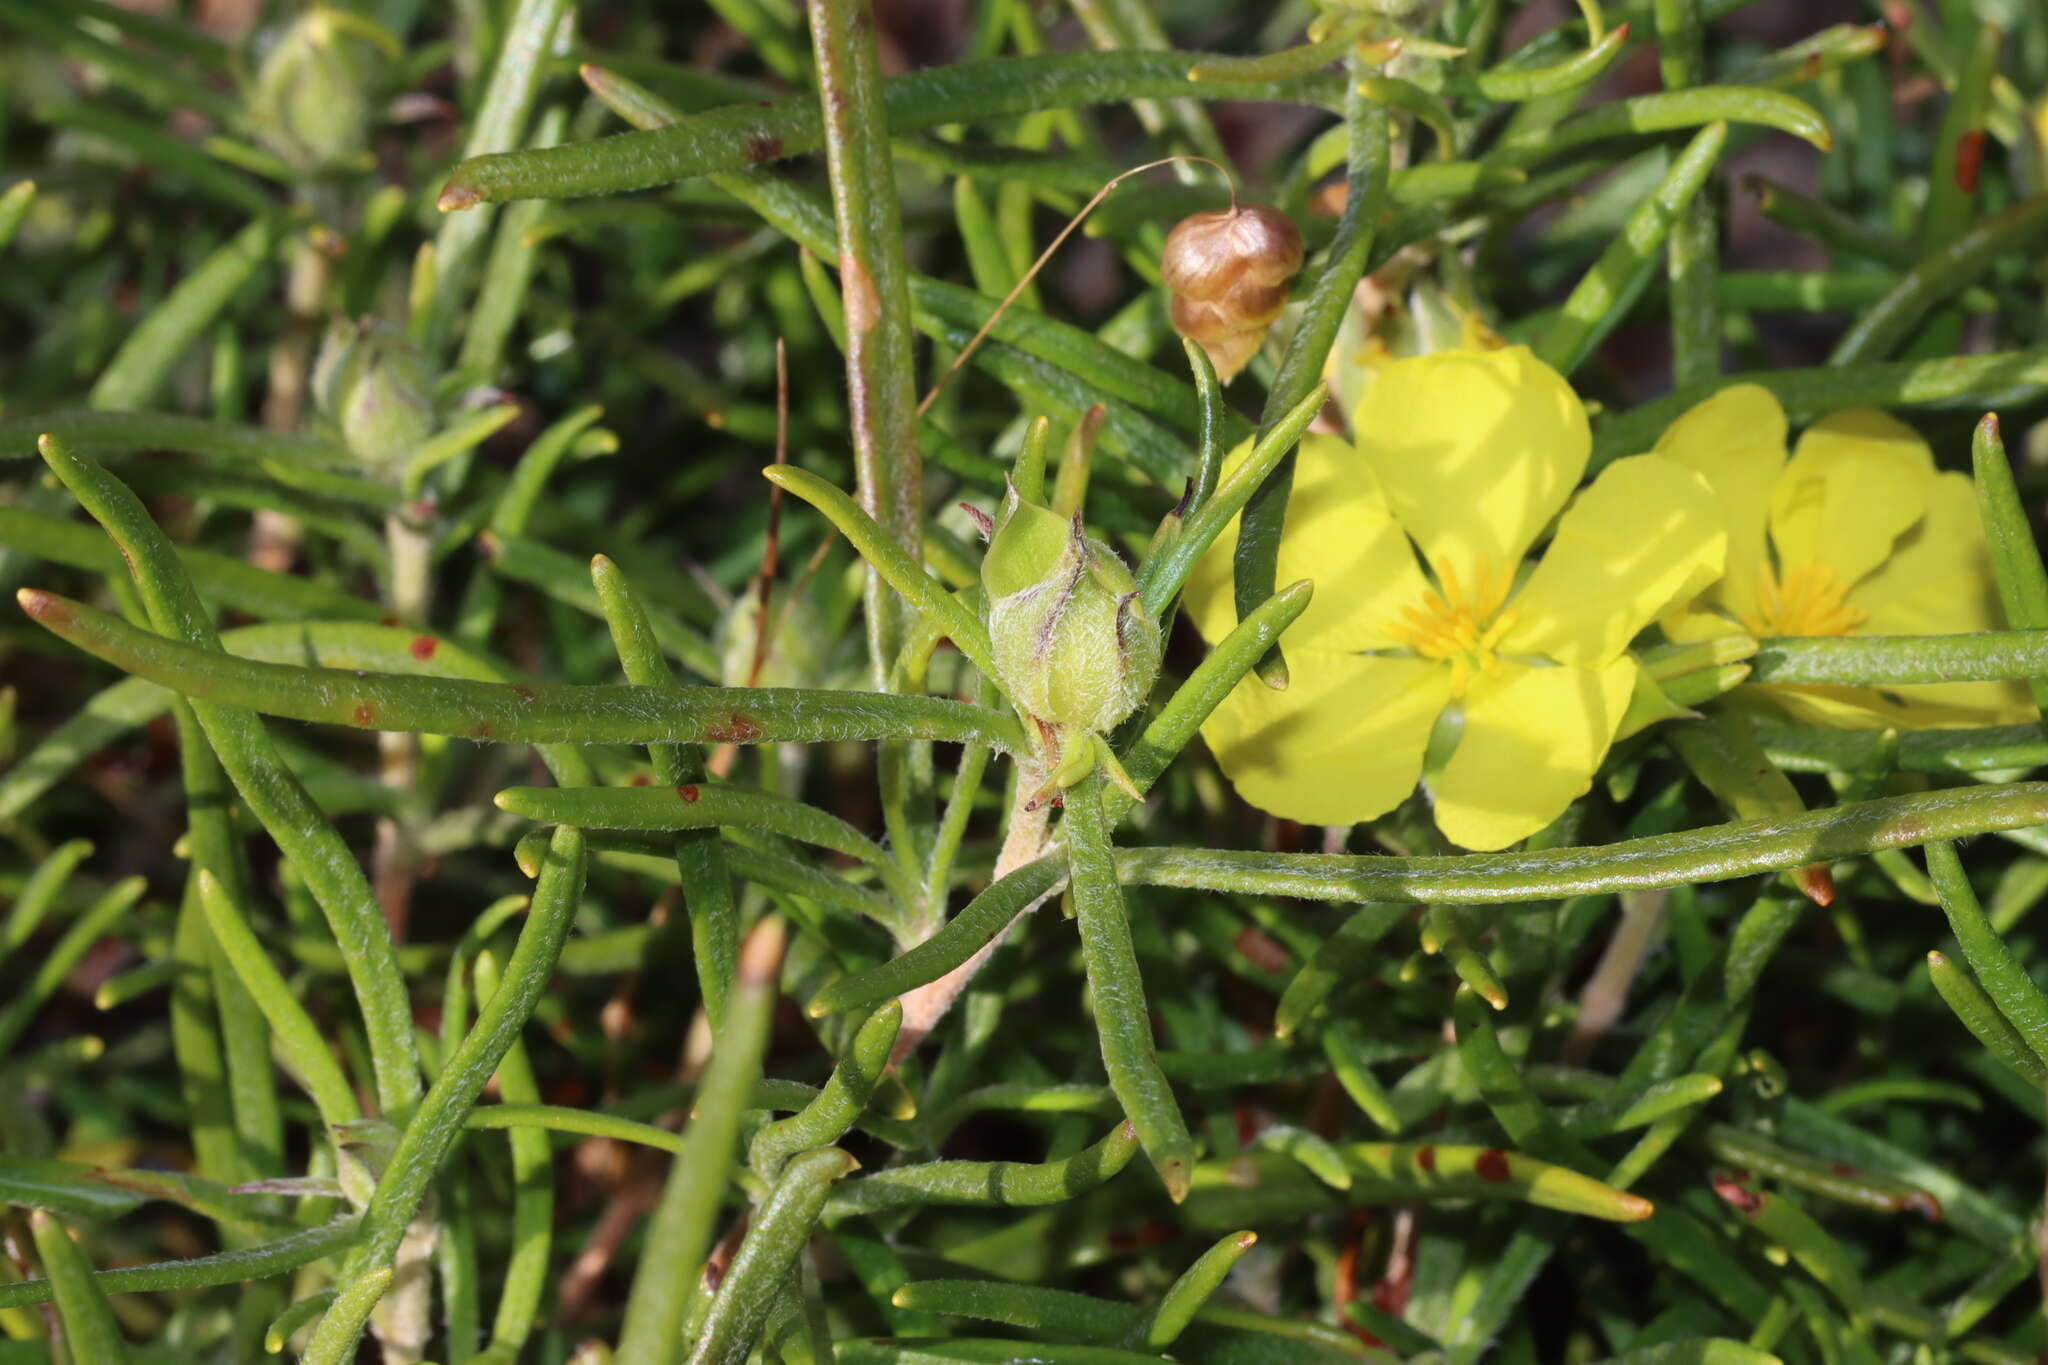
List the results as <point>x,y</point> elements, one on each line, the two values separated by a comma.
<point>1463,458</point>
<point>1854,534</point>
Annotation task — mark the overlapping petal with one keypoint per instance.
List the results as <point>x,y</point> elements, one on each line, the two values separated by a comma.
<point>1474,450</point>
<point>1340,534</point>
<point>1648,533</point>
<point>1533,739</point>
<point>1343,743</point>
<point>1856,482</point>
<point>1939,581</point>
<point>1736,442</point>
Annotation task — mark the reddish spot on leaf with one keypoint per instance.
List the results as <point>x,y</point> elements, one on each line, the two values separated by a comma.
<point>423,647</point>
<point>387,620</point>
<point>1258,948</point>
<point>1492,1165</point>
<point>525,694</point>
<point>1425,1157</point>
<point>484,729</point>
<point>763,147</point>
<point>641,779</point>
<point>1731,1189</point>
<point>1969,160</point>
<point>364,713</point>
<point>734,729</point>
<point>1147,1234</point>
<point>1844,1168</point>
<point>1810,67</point>
<point>688,793</point>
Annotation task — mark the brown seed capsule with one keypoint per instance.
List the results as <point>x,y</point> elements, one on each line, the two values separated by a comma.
<point>1228,270</point>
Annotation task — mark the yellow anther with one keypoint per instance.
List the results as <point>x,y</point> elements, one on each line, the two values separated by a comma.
<point>1460,628</point>
<point>1808,599</point>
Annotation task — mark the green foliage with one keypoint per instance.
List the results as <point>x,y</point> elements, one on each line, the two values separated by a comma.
<point>662,983</point>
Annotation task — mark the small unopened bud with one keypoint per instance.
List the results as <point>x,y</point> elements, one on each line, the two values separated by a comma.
<point>315,95</point>
<point>372,384</point>
<point>1073,644</point>
<point>1228,271</point>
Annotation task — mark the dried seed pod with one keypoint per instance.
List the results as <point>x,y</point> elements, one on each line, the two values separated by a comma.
<point>1228,271</point>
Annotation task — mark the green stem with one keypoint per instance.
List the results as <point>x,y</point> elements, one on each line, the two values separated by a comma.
<point>874,278</point>
<point>90,1332</point>
<point>1716,853</point>
<point>1256,566</point>
<point>2009,536</point>
<point>516,713</point>
<point>500,122</point>
<point>699,854</point>
<point>988,1184</point>
<point>2005,977</point>
<point>2009,376</point>
<point>679,1231</point>
<point>245,750</point>
<point>741,136</point>
<point>1940,276</point>
<point>1889,660</point>
<point>1692,258</point>
<point>760,1269</point>
<point>1611,283</point>
<point>431,1130</point>
<point>1118,991</point>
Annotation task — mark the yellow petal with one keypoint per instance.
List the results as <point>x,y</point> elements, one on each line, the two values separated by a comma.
<point>1475,450</point>
<point>1690,625</point>
<point>1854,484</point>
<point>1340,534</point>
<point>1343,743</point>
<point>1929,706</point>
<point>1647,534</point>
<point>1533,739</point>
<point>1736,442</point>
<point>1937,581</point>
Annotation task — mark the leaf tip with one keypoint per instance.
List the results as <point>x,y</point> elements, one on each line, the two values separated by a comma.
<point>41,607</point>
<point>457,195</point>
<point>1175,1175</point>
<point>1817,882</point>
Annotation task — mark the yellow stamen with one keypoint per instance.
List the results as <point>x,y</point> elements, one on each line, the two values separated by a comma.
<point>1809,599</point>
<point>1460,628</point>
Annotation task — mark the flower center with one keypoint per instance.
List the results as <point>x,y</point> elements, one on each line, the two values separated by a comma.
<point>1811,599</point>
<point>1457,626</point>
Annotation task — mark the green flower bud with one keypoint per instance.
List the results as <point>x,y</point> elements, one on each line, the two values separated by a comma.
<point>371,383</point>
<point>1073,645</point>
<point>314,99</point>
